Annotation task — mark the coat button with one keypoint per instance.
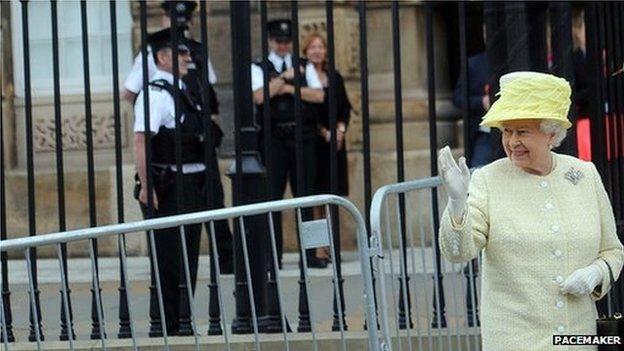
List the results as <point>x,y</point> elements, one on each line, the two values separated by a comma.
<point>560,304</point>
<point>561,328</point>
<point>558,253</point>
<point>544,184</point>
<point>549,206</point>
<point>555,228</point>
<point>559,279</point>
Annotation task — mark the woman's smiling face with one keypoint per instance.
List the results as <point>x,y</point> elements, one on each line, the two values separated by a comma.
<point>316,51</point>
<point>526,145</point>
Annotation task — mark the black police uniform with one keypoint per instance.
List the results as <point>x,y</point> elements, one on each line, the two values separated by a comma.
<point>181,12</point>
<point>171,199</point>
<point>283,149</point>
<point>167,241</point>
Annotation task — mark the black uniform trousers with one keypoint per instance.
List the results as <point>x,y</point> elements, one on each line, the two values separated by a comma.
<point>283,168</point>
<point>223,235</point>
<point>168,242</point>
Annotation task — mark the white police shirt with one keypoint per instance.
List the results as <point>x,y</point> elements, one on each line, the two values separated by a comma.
<point>161,113</point>
<point>257,79</point>
<point>134,81</point>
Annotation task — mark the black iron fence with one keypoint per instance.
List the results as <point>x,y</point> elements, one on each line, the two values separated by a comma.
<point>516,39</point>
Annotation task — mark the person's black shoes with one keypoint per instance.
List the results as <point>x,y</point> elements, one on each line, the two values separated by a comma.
<point>315,262</point>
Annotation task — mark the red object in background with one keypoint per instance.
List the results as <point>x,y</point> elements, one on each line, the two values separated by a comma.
<point>583,138</point>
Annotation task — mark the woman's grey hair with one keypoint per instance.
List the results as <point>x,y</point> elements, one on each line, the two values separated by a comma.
<point>556,129</point>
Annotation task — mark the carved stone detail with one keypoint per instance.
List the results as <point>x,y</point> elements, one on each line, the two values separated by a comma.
<point>74,133</point>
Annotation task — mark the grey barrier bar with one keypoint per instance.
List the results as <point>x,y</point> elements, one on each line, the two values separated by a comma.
<point>65,292</point>
<point>189,286</point>
<point>30,175</point>
<point>214,215</point>
<point>439,301</point>
<point>66,313</point>
<point>278,287</point>
<point>410,237</point>
<point>98,298</point>
<point>306,279</point>
<point>395,296</point>
<point>250,290</point>
<point>32,295</point>
<point>381,228</point>
<point>5,335</point>
<point>215,254</point>
<point>404,295</point>
<point>338,293</point>
<point>425,279</point>
<point>124,277</point>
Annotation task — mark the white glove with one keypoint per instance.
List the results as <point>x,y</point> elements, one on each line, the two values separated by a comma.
<point>455,180</point>
<point>582,281</point>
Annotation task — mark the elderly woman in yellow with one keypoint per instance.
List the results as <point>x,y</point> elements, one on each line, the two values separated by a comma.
<point>543,221</point>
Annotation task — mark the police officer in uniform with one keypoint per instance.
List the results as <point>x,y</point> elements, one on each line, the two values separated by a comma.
<point>164,171</point>
<point>282,109</point>
<point>197,81</point>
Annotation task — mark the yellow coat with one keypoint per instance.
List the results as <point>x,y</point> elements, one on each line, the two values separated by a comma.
<point>534,231</point>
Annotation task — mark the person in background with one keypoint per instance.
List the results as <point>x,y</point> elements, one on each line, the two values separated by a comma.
<point>542,220</point>
<point>479,103</point>
<point>199,83</point>
<point>166,198</point>
<point>283,143</point>
<point>315,50</point>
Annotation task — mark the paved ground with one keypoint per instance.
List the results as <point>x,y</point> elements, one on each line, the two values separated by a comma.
<point>321,292</point>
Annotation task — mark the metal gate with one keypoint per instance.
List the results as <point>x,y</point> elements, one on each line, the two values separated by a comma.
<point>426,302</point>
<point>311,234</point>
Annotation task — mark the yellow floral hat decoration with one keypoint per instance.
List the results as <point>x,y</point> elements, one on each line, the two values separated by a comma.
<point>530,95</point>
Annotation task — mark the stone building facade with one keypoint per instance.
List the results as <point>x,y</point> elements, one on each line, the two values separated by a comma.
<point>312,18</point>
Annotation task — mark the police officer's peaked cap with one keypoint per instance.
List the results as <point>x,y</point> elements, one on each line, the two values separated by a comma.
<point>164,39</point>
<point>280,29</point>
<point>182,10</point>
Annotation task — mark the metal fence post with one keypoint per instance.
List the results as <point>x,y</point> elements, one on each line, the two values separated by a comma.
<point>247,173</point>
<point>405,317</point>
<point>35,324</point>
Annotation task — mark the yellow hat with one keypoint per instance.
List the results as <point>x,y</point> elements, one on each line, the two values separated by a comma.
<point>530,95</point>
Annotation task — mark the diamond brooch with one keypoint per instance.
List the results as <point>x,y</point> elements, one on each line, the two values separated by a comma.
<point>574,175</point>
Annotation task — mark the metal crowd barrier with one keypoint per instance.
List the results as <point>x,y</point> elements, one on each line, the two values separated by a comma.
<point>413,277</point>
<point>312,234</point>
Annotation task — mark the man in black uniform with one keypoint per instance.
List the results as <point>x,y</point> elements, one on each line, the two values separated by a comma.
<point>167,198</point>
<point>283,166</point>
<point>199,81</point>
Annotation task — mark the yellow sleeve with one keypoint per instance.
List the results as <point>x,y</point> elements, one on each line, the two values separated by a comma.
<point>461,242</point>
<point>610,246</point>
